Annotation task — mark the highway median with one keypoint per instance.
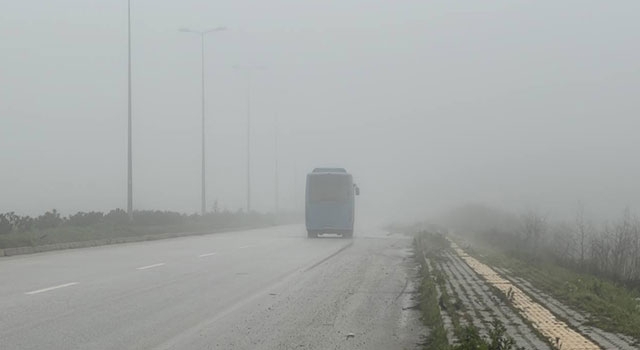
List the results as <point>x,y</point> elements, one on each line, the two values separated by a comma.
<point>50,231</point>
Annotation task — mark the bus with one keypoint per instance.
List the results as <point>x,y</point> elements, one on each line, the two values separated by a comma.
<point>330,202</point>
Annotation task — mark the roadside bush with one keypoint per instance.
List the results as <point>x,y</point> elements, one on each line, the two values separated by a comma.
<point>475,218</point>
<point>6,225</point>
<point>432,244</point>
<point>117,217</point>
<point>228,218</point>
<point>51,227</point>
<point>24,223</point>
<point>50,219</point>
<point>85,219</point>
<point>610,250</point>
<point>157,218</point>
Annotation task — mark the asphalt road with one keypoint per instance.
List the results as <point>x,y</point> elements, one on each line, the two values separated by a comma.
<point>257,289</point>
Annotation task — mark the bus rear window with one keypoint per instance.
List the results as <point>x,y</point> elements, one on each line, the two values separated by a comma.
<point>329,188</point>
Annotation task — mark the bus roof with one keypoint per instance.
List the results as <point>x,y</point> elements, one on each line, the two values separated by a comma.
<point>330,170</point>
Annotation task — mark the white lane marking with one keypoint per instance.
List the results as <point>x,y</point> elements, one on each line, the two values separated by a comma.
<point>51,288</point>
<point>245,246</point>
<point>206,254</point>
<point>149,266</point>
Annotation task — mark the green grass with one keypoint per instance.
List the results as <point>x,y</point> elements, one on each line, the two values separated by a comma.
<point>431,313</point>
<point>612,307</point>
<point>67,234</point>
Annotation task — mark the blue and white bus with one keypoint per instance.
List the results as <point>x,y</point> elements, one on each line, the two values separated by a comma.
<point>330,202</point>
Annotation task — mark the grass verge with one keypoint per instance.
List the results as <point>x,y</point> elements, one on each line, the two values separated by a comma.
<point>608,305</point>
<point>431,313</point>
<point>103,231</point>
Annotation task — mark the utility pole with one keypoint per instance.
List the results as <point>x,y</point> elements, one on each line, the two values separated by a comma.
<point>277,185</point>
<point>203,204</point>
<point>249,70</point>
<point>249,140</point>
<point>130,162</point>
<point>203,195</point>
<point>295,186</point>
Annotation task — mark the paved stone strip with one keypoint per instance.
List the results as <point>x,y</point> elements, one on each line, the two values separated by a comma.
<point>460,293</point>
<point>490,308</point>
<point>461,320</point>
<point>447,322</point>
<point>558,332</point>
<point>607,340</point>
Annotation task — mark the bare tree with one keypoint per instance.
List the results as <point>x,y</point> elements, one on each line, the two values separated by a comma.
<point>583,229</point>
<point>562,243</point>
<point>533,228</point>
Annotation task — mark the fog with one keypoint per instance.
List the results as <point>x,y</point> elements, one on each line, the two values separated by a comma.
<point>430,104</point>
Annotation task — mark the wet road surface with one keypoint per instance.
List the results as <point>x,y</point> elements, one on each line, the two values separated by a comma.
<point>258,289</point>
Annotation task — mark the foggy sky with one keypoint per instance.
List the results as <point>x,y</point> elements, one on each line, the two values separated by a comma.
<point>428,103</point>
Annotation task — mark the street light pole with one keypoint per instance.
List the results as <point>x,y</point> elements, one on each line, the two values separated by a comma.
<point>295,185</point>
<point>203,204</point>
<point>130,162</point>
<point>249,141</point>
<point>249,69</point>
<point>277,184</point>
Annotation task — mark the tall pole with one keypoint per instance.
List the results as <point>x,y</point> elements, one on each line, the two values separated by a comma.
<point>202,34</point>
<point>249,141</point>
<point>277,185</point>
<point>204,200</point>
<point>129,171</point>
<point>249,69</point>
<point>295,185</point>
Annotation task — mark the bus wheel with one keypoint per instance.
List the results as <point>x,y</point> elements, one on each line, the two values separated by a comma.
<point>311,234</point>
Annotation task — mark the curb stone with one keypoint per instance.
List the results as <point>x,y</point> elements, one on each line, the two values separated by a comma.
<point>18,251</point>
